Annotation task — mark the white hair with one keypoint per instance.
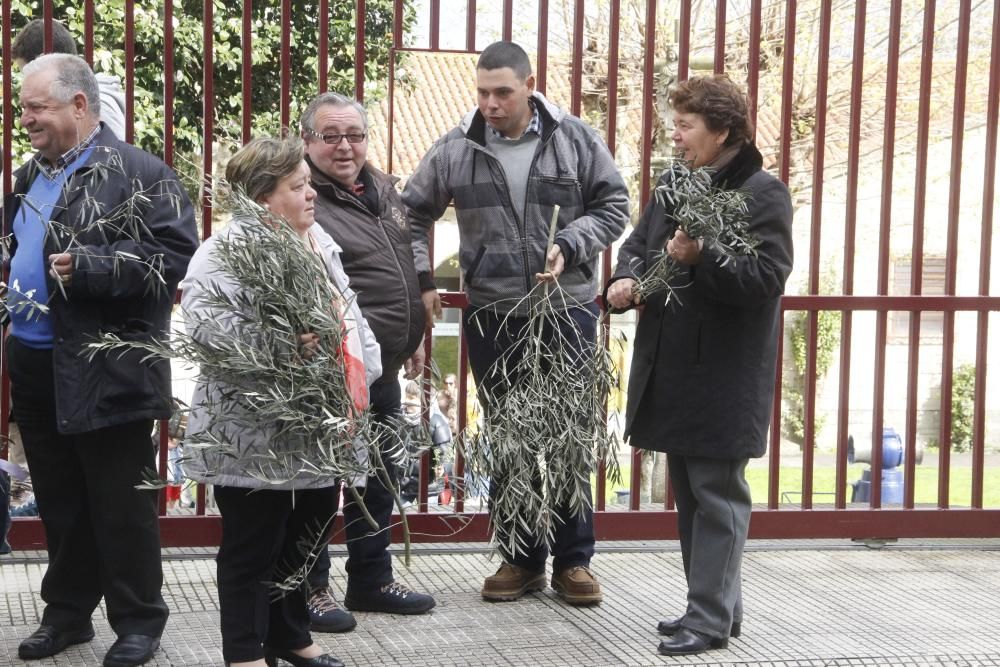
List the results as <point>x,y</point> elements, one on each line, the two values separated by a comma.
<point>73,75</point>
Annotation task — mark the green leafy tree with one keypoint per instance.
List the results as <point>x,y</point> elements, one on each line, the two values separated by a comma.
<point>109,57</point>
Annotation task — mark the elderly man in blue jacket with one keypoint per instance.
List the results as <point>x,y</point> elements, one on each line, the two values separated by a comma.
<point>99,235</point>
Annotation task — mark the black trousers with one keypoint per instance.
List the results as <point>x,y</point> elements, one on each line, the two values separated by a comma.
<point>267,537</point>
<point>490,336</point>
<point>369,565</point>
<point>102,533</point>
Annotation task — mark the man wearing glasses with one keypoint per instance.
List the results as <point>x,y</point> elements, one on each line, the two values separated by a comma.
<point>360,208</point>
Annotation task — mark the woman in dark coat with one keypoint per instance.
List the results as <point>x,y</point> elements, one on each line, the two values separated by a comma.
<point>703,369</point>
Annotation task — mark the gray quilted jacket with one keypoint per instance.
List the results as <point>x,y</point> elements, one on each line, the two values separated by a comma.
<point>500,249</point>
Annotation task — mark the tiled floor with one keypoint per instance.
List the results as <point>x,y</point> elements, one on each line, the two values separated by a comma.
<point>823,603</point>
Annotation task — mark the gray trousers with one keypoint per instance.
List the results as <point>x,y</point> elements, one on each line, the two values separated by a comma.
<point>713,509</point>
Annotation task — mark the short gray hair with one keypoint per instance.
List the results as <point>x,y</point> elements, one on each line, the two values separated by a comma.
<point>333,100</point>
<point>73,75</point>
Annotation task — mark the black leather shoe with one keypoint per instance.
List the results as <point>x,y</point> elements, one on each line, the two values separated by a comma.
<point>271,656</point>
<point>131,650</point>
<point>689,642</point>
<point>48,640</point>
<point>674,626</point>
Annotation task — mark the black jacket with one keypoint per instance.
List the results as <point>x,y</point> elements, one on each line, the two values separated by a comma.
<point>378,260</point>
<point>105,227</point>
<point>703,373</point>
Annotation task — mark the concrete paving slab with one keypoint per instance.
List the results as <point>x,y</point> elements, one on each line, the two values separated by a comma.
<point>828,603</point>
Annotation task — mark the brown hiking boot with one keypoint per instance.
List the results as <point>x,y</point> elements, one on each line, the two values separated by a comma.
<point>577,586</point>
<point>511,582</point>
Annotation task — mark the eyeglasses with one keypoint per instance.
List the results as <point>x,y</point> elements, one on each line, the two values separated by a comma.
<point>334,139</point>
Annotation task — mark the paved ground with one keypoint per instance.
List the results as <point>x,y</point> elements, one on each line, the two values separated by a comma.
<point>808,603</point>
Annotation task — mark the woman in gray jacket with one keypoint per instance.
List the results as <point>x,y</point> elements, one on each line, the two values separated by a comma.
<point>271,499</point>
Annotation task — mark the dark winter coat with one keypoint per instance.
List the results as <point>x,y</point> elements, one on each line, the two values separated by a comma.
<point>378,259</point>
<point>110,291</point>
<point>703,373</point>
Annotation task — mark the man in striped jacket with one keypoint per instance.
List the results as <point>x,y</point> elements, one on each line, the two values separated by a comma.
<point>505,167</point>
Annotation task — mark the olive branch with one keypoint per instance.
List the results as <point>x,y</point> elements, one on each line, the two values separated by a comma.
<point>544,429</point>
<point>719,217</point>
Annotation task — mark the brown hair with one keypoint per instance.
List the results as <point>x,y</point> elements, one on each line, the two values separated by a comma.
<point>718,100</point>
<point>257,167</point>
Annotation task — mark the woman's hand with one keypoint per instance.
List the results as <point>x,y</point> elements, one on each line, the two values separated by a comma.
<point>620,294</point>
<point>684,249</point>
<point>309,344</point>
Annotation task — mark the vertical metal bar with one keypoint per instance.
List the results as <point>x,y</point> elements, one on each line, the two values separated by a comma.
<point>543,45</point>
<point>397,43</point>
<point>6,168</point>
<point>635,481</point>
<point>470,25</point>
<point>323,61</point>
<point>951,256</point>
<point>719,57</point>
<point>508,20</point>
<point>7,104</point>
<point>130,71</point>
<point>576,82</point>
<point>463,410</point>
<point>917,252</point>
<point>648,93</point>
<point>286,63</point>
<point>985,245</point>
<point>247,65</point>
<point>614,38</point>
<point>850,236</point>
<point>435,25</point>
<point>885,225</point>
<point>774,449</point>
<point>359,51</point>
<point>168,82</point>
<point>88,32</point>
<point>163,438</point>
<point>208,119</point>
<point>47,18</point>
<point>815,238</point>
<point>391,120</point>
<point>787,81</point>
<point>683,42</point>
<point>753,61</point>
<point>614,20</point>
<point>397,24</point>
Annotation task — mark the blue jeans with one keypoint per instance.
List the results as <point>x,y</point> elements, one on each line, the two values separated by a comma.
<point>490,336</point>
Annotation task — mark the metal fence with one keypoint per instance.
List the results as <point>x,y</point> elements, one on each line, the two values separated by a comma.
<point>846,97</point>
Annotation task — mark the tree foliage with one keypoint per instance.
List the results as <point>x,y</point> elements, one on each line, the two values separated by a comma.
<point>189,63</point>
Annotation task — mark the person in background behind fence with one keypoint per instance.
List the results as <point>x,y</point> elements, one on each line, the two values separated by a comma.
<point>30,43</point>
<point>702,377</point>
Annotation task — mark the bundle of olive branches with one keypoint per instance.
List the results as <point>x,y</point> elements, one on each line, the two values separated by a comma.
<point>544,430</point>
<point>249,347</point>
<point>703,211</point>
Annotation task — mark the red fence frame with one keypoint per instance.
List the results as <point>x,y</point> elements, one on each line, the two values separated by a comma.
<point>773,520</point>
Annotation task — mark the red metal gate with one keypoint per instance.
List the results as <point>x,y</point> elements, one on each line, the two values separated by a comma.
<point>845,97</point>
